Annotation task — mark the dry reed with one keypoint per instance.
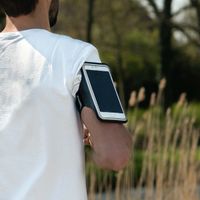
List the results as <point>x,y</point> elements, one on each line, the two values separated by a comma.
<point>170,168</point>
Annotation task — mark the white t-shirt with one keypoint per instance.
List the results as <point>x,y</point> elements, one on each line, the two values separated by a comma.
<point>41,148</point>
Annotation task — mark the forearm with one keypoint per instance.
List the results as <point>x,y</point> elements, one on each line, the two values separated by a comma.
<point>111,142</point>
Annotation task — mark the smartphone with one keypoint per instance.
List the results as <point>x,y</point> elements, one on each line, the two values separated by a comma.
<point>103,92</point>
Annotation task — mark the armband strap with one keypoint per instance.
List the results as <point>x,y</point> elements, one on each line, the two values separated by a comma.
<point>83,96</point>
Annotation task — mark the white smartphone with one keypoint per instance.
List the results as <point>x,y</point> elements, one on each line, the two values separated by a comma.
<point>103,92</point>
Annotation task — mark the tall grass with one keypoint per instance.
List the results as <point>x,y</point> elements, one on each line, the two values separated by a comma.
<point>164,163</point>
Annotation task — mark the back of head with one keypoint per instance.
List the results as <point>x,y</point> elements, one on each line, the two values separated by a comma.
<point>15,8</point>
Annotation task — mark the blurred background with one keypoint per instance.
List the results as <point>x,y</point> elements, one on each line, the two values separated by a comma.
<point>153,49</point>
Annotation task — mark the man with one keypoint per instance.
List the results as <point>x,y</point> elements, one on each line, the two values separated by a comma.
<point>41,148</point>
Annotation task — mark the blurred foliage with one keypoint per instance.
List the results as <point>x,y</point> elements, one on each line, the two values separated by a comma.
<point>128,37</point>
<point>165,143</point>
<point>124,36</point>
<point>2,19</point>
<point>165,152</point>
<point>194,109</point>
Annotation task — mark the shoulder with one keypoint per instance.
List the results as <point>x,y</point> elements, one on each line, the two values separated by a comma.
<point>61,48</point>
<point>66,43</point>
<point>69,50</point>
<point>45,38</point>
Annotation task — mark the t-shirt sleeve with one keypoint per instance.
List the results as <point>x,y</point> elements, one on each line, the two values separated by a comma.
<point>67,59</point>
<point>87,54</point>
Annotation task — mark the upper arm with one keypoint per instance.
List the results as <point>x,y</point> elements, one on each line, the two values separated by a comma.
<point>111,141</point>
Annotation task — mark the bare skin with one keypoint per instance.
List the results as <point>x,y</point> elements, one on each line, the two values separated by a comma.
<point>37,19</point>
<point>111,142</point>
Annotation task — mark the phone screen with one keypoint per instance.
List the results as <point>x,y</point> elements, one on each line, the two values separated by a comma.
<point>104,91</point>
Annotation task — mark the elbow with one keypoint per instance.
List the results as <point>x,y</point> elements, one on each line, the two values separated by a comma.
<point>116,153</point>
<point>118,165</point>
<point>122,157</point>
<point>121,160</point>
<point>115,161</point>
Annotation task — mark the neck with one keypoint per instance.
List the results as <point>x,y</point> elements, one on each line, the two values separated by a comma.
<point>37,19</point>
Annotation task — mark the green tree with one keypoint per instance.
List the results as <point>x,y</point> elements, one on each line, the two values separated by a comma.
<point>124,34</point>
<point>164,17</point>
<point>113,26</point>
<point>2,20</point>
<point>90,20</point>
<point>196,5</point>
<point>167,25</point>
<point>73,18</point>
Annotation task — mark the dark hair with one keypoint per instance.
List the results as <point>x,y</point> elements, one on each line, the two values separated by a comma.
<point>15,8</point>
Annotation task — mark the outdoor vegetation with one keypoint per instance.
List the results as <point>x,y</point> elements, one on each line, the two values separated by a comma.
<point>153,50</point>
<point>166,156</point>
